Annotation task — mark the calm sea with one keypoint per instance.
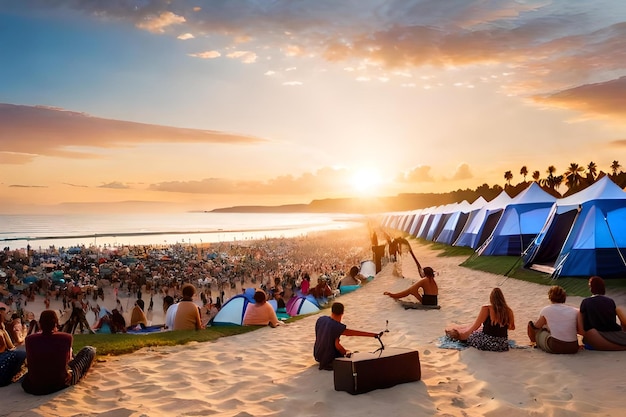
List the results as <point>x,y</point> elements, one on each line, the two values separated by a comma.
<point>43,231</point>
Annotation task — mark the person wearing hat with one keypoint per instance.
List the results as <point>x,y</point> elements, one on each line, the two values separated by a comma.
<point>51,366</point>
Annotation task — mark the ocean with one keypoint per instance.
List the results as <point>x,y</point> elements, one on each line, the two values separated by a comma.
<point>43,231</point>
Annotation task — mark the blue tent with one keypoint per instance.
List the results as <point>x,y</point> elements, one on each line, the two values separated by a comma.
<point>233,310</point>
<point>520,223</point>
<point>428,216</point>
<point>479,227</point>
<point>584,234</point>
<point>455,222</point>
<point>440,219</point>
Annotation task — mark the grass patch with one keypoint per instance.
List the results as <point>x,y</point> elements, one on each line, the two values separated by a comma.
<point>511,267</point>
<point>124,343</point>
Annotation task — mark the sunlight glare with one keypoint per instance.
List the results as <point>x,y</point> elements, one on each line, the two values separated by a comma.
<point>366,180</point>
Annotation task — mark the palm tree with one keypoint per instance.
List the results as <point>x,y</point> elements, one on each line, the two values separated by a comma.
<point>614,167</point>
<point>557,181</point>
<point>508,176</point>
<point>549,181</point>
<point>572,175</point>
<point>523,172</point>
<point>536,176</point>
<point>592,169</point>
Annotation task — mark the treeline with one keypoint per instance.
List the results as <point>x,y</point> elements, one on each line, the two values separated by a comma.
<point>575,179</point>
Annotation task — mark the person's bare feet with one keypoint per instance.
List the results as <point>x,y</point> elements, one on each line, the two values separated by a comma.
<point>453,334</point>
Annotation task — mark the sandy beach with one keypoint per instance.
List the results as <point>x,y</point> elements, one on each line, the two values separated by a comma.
<point>271,372</point>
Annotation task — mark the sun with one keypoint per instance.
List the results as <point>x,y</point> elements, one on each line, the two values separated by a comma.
<point>365,181</point>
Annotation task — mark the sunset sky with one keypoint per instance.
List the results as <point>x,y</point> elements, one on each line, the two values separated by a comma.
<point>205,104</point>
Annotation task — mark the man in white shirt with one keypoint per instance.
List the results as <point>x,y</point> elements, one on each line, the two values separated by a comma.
<point>556,329</point>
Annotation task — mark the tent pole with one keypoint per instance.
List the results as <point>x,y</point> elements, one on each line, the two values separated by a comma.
<point>614,241</point>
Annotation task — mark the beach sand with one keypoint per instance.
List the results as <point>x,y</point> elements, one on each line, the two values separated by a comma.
<point>271,372</point>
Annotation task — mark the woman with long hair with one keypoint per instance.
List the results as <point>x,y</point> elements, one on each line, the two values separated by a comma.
<point>490,330</point>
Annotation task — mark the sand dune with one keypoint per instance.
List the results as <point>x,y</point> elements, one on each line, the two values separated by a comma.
<point>271,372</point>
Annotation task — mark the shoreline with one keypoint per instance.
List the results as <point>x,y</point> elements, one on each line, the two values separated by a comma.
<point>234,230</point>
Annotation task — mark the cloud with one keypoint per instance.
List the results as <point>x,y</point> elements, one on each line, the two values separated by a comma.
<point>28,132</point>
<point>620,143</point>
<point>207,54</point>
<point>27,186</point>
<point>292,83</point>
<point>74,185</point>
<point>326,181</point>
<point>116,185</point>
<point>16,158</point>
<point>600,99</point>
<point>463,172</point>
<point>416,175</point>
<point>158,23</point>
<point>185,36</point>
<point>246,57</point>
<point>545,46</point>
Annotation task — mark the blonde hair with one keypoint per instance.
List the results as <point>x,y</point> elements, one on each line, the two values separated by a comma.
<point>502,313</point>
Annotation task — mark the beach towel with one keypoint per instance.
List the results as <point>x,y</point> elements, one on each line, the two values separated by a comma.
<point>148,329</point>
<point>409,305</point>
<point>446,342</point>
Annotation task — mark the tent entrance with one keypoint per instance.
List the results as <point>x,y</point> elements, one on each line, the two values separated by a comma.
<point>546,269</point>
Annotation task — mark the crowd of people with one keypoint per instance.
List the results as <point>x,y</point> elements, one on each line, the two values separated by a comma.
<point>77,281</point>
<point>278,269</point>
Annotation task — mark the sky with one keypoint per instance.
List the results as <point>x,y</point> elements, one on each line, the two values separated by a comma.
<point>197,105</point>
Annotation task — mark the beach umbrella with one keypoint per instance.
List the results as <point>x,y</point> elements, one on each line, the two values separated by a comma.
<point>30,279</point>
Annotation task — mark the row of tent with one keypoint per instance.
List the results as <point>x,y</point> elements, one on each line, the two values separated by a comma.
<point>580,235</point>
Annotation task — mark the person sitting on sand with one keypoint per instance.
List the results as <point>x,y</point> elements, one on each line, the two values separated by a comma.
<point>596,319</point>
<point>118,322</point>
<point>261,313</point>
<point>11,359</point>
<point>51,367</point>
<point>328,330</point>
<point>16,330</point>
<point>354,277</point>
<point>305,284</point>
<point>169,308</point>
<point>322,289</point>
<point>427,284</point>
<point>137,316</point>
<point>33,324</point>
<point>555,329</point>
<point>187,312</point>
<point>496,319</point>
